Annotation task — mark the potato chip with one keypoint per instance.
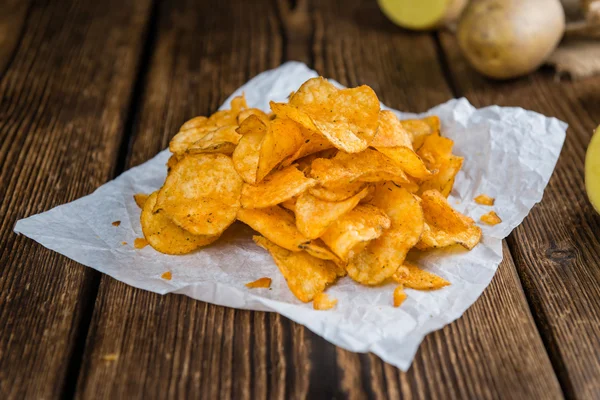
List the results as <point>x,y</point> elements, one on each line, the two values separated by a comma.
<point>290,204</point>
<point>391,133</point>
<point>140,199</point>
<point>337,194</point>
<point>140,243</point>
<point>276,224</point>
<point>444,226</point>
<point>193,123</point>
<point>201,194</point>
<point>484,200</point>
<point>318,249</point>
<point>305,275</point>
<point>399,296</point>
<point>164,236</point>
<point>283,138</point>
<point>408,160</point>
<point>443,179</point>
<point>347,117</point>
<point>414,277</point>
<point>167,276</point>
<point>436,150</point>
<point>262,283</point>
<point>185,138</point>
<point>252,111</point>
<point>421,128</point>
<point>246,155</point>
<point>382,256</point>
<point>353,230</point>
<point>171,162</point>
<point>222,140</point>
<point>276,188</point>
<point>313,143</point>
<point>490,218</point>
<point>346,168</point>
<point>323,302</point>
<point>313,216</point>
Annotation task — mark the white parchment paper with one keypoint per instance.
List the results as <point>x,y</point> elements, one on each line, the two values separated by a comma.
<point>510,154</point>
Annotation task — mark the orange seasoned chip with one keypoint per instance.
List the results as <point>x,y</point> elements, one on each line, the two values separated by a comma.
<point>382,256</point>
<point>443,179</point>
<point>276,224</point>
<point>414,277</point>
<point>283,138</point>
<point>140,199</point>
<point>252,111</point>
<point>174,159</point>
<point>485,200</point>
<point>318,249</point>
<point>261,283</point>
<point>444,226</point>
<point>221,140</point>
<point>306,275</point>
<point>195,122</point>
<point>399,296</point>
<point>323,302</point>
<point>339,193</point>
<point>247,153</point>
<point>391,133</point>
<point>313,216</point>
<point>352,231</point>
<point>164,236</point>
<point>201,194</point>
<point>290,204</point>
<point>313,142</point>
<point>276,188</point>
<point>491,218</point>
<point>421,128</point>
<point>167,276</point>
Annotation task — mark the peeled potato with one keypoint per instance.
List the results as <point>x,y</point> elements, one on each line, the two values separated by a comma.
<point>422,14</point>
<point>505,39</point>
<point>592,170</point>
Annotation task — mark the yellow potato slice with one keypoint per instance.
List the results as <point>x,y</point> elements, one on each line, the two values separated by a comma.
<point>414,277</point>
<point>276,188</point>
<point>444,226</point>
<point>164,236</point>
<point>443,179</point>
<point>222,140</point>
<point>247,153</point>
<point>252,111</point>
<point>352,231</point>
<point>323,302</point>
<point>382,256</point>
<point>318,249</point>
<point>391,133</point>
<point>201,194</point>
<point>283,138</point>
<point>337,194</point>
<point>276,224</point>
<point>140,199</point>
<point>306,275</point>
<point>421,128</point>
<point>313,216</point>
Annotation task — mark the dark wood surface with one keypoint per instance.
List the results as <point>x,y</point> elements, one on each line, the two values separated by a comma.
<point>89,90</point>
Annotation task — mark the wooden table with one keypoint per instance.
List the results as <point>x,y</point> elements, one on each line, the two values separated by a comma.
<point>89,89</point>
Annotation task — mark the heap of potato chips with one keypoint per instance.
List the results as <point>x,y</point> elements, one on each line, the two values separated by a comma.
<point>333,184</point>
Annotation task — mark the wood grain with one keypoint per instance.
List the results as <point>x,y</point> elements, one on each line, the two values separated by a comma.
<point>557,248</point>
<point>63,101</point>
<point>12,21</point>
<point>172,346</point>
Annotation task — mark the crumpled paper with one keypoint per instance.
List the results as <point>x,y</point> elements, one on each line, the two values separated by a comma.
<point>510,154</point>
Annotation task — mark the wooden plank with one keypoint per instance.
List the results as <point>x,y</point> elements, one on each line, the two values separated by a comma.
<point>172,346</point>
<point>63,102</point>
<point>557,248</point>
<point>12,21</point>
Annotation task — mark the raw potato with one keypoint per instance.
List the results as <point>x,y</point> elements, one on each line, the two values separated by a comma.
<point>422,14</point>
<point>505,39</point>
<point>592,170</point>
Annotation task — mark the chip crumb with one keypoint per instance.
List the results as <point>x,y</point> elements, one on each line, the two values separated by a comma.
<point>484,200</point>
<point>322,301</point>
<point>399,295</point>
<point>167,276</point>
<point>413,277</point>
<point>260,283</point>
<point>491,218</point>
<point>140,243</point>
<point>123,243</point>
<point>110,357</point>
<point>116,223</point>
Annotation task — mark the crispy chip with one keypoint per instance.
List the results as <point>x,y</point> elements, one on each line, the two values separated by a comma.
<point>337,194</point>
<point>351,232</point>
<point>313,143</point>
<point>167,276</point>
<point>171,162</point>
<point>382,256</point>
<point>347,117</point>
<point>344,168</point>
<point>491,218</point>
<point>201,194</point>
<point>164,236</point>
<point>252,111</point>
<point>443,179</point>
<point>391,133</point>
<point>193,123</point>
<point>246,155</point>
<point>290,204</point>
<point>222,140</point>
<point>399,296</point>
<point>484,200</point>
<point>276,224</point>
<point>323,302</point>
<point>305,275</point>
<point>436,150</point>
<point>444,226</point>
<point>140,199</point>
<point>420,128</point>
<point>408,160</point>
<point>276,188</point>
<point>313,216</point>
<point>262,283</point>
<point>318,249</point>
<point>283,138</point>
<point>414,277</point>
<point>140,243</point>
